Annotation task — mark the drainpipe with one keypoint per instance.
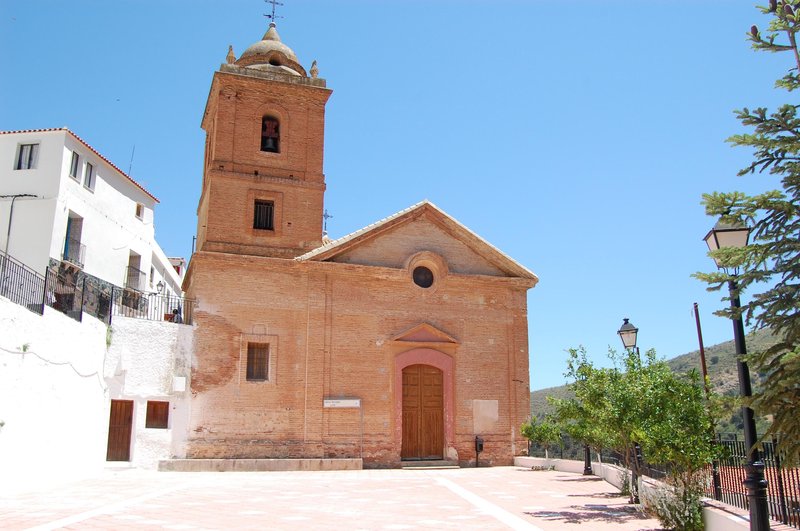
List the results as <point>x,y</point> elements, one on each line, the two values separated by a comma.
<point>8,233</point>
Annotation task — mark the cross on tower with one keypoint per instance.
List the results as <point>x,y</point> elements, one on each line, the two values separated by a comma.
<point>272,16</point>
<point>326,217</point>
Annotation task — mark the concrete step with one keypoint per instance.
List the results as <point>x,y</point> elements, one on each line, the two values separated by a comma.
<point>256,465</point>
<point>433,464</point>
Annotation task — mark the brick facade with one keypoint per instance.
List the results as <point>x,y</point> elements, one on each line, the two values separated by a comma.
<point>341,319</point>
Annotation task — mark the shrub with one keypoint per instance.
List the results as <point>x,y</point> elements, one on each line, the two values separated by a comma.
<point>678,507</point>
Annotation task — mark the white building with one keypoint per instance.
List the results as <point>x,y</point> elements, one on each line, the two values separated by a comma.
<point>76,393</point>
<point>64,205</point>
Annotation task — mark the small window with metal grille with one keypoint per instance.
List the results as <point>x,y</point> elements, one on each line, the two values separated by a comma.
<point>157,415</point>
<point>264,215</point>
<point>257,362</point>
<point>270,135</point>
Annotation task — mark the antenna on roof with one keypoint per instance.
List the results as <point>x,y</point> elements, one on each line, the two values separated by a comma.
<point>130,165</point>
<point>273,16</point>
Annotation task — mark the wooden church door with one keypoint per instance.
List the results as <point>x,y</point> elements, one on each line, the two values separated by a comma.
<point>423,413</point>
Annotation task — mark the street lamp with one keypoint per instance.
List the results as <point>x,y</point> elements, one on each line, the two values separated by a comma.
<point>722,235</point>
<point>737,235</point>
<point>160,287</point>
<point>627,333</point>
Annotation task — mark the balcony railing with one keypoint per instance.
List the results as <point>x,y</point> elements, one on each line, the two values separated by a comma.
<point>72,292</point>
<point>74,252</point>
<point>135,279</point>
<point>153,307</point>
<point>20,284</point>
<point>29,289</point>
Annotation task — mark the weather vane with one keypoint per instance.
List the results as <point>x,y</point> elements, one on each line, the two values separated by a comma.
<point>326,217</point>
<point>273,16</point>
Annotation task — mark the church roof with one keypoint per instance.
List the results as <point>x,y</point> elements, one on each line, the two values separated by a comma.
<point>494,255</point>
<point>271,53</point>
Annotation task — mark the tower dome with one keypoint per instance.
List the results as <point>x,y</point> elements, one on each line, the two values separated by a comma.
<point>271,54</point>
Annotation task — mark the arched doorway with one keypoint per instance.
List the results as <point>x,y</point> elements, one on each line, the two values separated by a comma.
<point>423,413</point>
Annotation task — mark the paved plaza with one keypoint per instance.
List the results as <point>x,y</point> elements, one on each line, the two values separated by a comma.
<point>485,498</point>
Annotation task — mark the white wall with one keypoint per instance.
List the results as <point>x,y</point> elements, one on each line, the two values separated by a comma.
<point>32,224</point>
<point>52,396</point>
<point>110,226</point>
<point>142,361</point>
<point>562,465</point>
<point>165,272</point>
<point>57,378</point>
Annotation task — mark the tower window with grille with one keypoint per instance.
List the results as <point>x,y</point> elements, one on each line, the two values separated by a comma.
<point>257,362</point>
<point>264,215</point>
<point>270,135</point>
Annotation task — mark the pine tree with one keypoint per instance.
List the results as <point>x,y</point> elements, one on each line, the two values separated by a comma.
<point>769,268</point>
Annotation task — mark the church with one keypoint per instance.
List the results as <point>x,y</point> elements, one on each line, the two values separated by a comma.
<point>403,341</point>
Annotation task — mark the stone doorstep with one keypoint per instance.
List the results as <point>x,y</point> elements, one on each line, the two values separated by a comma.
<point>439,464</point>
<point>257,465</point>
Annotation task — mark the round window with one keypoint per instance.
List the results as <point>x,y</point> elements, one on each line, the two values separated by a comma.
<point>423,277</point>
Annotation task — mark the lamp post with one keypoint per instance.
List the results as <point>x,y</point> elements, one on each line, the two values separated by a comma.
<point>587,460</point>
<point>627,333</point>
<point>737,236</point>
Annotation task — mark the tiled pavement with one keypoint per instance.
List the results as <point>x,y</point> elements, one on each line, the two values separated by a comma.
<point>485,498</point>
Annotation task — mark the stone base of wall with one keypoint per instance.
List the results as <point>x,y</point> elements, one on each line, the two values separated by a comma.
<point>241,448</point>
<point>256,465</point>
<point>373,453</point>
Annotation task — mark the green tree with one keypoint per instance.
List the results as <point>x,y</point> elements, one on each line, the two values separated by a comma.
<point>543,431</point>
<point>770,266</point>
<point>578,416</point>
<point>640,400</point>
<point>677,434</point>
<point>605,412</point>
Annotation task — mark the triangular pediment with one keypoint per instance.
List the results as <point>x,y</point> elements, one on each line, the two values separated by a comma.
<point>422,227</point>
<point>425,333</point>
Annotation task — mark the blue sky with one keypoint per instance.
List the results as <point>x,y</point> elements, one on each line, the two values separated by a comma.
<point>576,136</point>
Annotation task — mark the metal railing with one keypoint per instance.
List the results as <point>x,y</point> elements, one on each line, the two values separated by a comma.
<point>153,307</point>
<point>65,293</point>
<point>783,490</point>
<point>24,286</point>
<point>74,293</point>
<point>74,252</point>
<point>135,278</point>
<point>21,284</point>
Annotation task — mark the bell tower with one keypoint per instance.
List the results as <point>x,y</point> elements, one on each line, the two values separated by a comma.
<point>263,184</point>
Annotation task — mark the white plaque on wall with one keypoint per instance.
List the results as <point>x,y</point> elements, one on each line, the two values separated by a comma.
<point>342,402</point>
